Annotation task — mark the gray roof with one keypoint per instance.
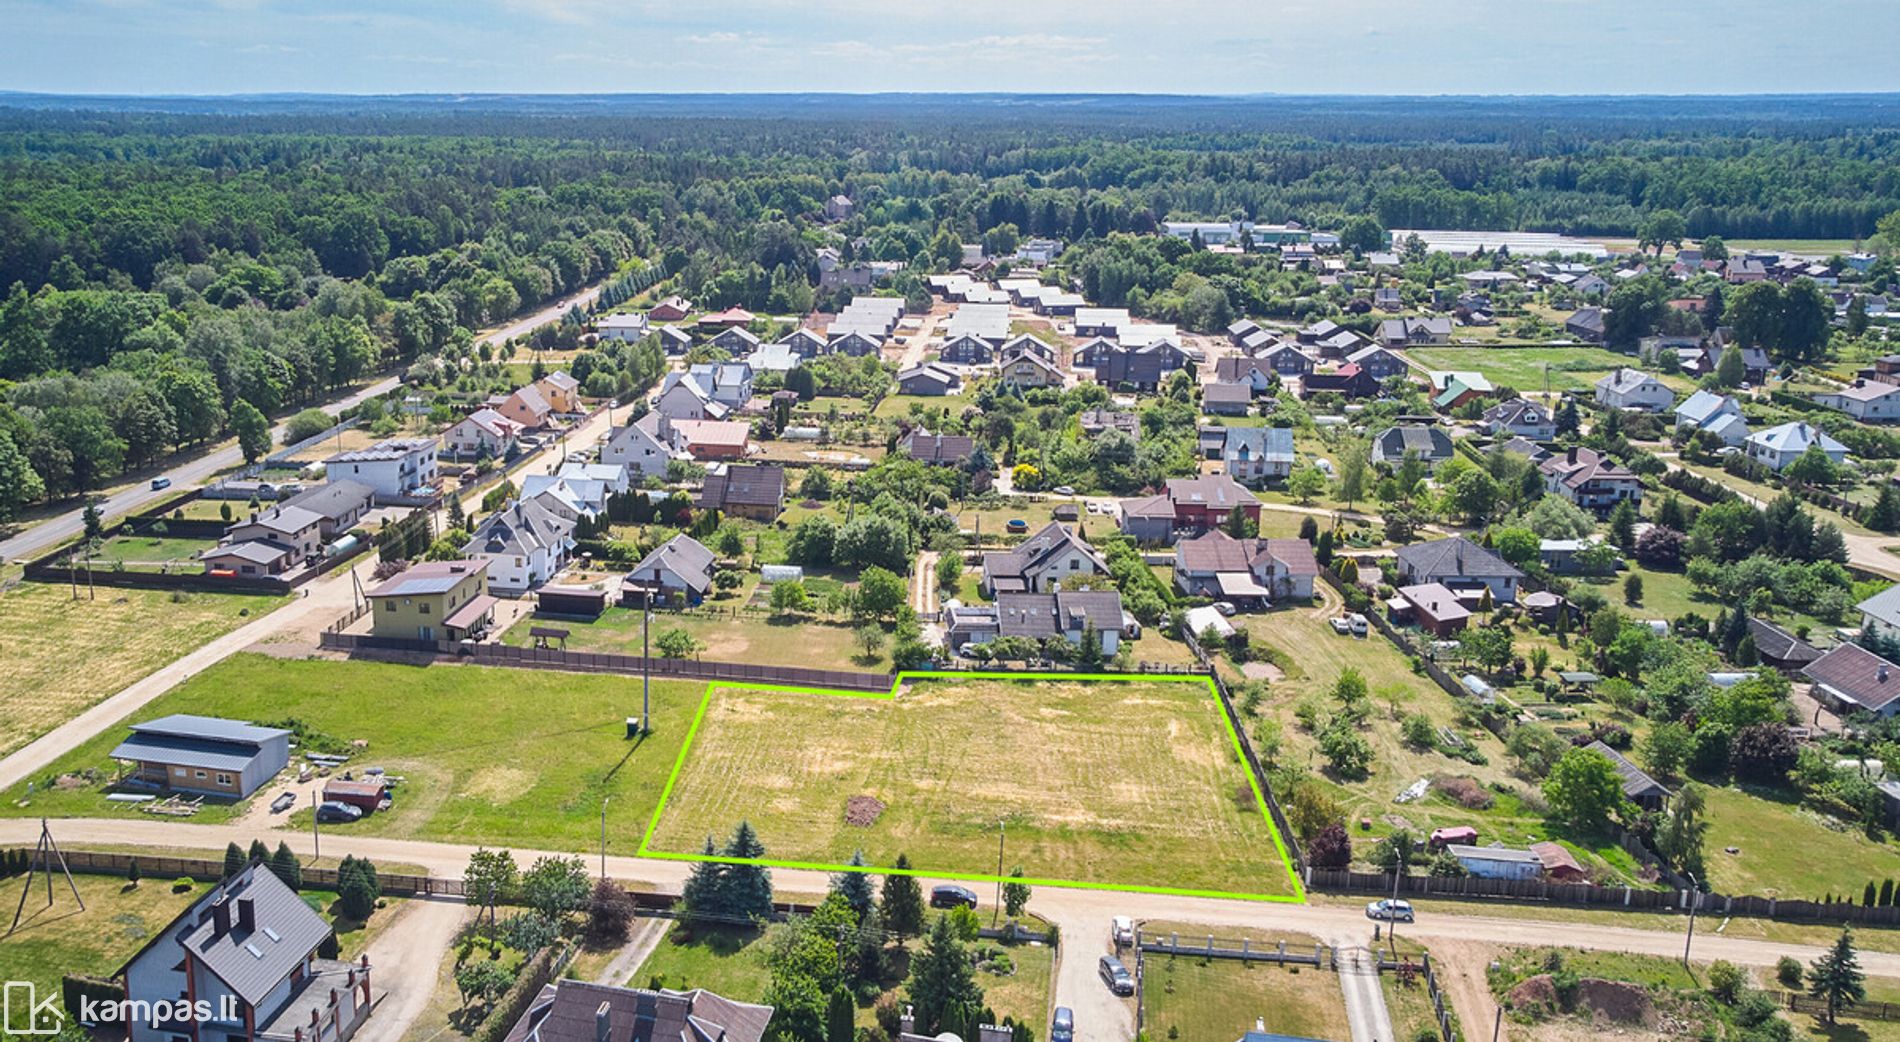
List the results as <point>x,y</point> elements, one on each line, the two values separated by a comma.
<point>1431,443</point>
<point>684,556</point>
<point>1636,784</point>
<point>186,725</point>
<point>743,486</point>
<point>284,518</point>
<point>429,577</point>
<point>1042,615</point>
<point>567,1011</point>
<point>332,499</point>
<point>252,962</point>
<point>256,551</point>
<point>390,449</point>
<point>1225,393</point>
<point>1454,558</point>
<point>1273,444</point>
<point>186,752</point>
<point>518,529</point>
<point>1856,675</point>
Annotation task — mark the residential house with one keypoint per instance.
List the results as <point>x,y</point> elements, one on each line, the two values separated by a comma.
<point>627,327</point>
<point>561,391</point>
<point>1026,368</point>
<point>1591,285</point>
<point>433,600</point>
<point>1096,422</point>
<point>1189,506</point>
<point>1520,419</point>
<point>1430,445</point>
<point>1090,355</point>
<point>203,755</point>
<point>1850,679</point>
<point>1496,862</point>
<point>250,949</point>
<point>1453,390</point>
<point>950,450</point>
<point>1779,446</point>
<point>774,358</point>
<point>672,309</point>
<point>1628,388</point>
<point>929,379</point>
<point>729,383</point>
<point>967,349</point>
<point>1348,380</point>
<point>1586,325</point>
<point>571,1010</point>
<point>682,397</point>
<point>837,208</point>
<point>1140,369</point>
<point>1870,401</point>
<point>855,343</point>
<point>732,316</point>
<point>527,407</point>
<point>643,447</point>
<point>572,497</point>
<point>1433,607</point>
<point>1032,345</point>
<point>1252,373</point>
<point>1880,614</point>
<point>1287,360</point>
<point>1414,332</point>
<point>524,543</point>
<point>1590,479</point>
<point>706,440</point>
<point>253,557</point>
<point>394,468</point>
<point>757,493</point>
<point>1241,329</point>
<point>1226,399</point>
<point>1070,614</point>
<point>1388,298</point>
<point>807,343</point>
<point>674,340</point>
<point>1245,571</point>
<point>678,571</point>
<point>340,505</point>
<point>1257,455</point>
<point>1719,414</point>
<point>1040,562</point>
<point>294,528</point>
<point>1342,343</point>
<point>483,434</point>
<point>1461,565</point>
<point>1379,363</point>
<point>1640,788</point>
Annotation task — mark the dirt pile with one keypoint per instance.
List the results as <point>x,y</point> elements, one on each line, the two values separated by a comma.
<point>863,811</point>
<point>1615,1001</point>
<point>1536,996</point>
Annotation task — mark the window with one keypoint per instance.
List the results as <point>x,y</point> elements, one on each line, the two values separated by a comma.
<point>224,779</point>
<point>389,605</point>
<point>423,608</point>
<point>198,774</point>
<point>178,772</point>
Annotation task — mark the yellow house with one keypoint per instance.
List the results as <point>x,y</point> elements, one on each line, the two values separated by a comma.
<point>434,600</point>
<point>562,391</point>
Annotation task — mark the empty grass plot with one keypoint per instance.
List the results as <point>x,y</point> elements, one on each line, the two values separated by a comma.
<point>1131,782</point>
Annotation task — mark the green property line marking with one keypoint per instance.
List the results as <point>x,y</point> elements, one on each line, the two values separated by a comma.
<point>679,763</point>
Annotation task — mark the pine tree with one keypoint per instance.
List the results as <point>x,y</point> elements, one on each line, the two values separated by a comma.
<point>855,887</point>
<point>1623,526</point>
<point>1015,894</point>
<point>132,872</point>
<point>1869,895</point>
<point>943,990</point>
<point>840,1016</point>
<point>1567,420</point>
<point>285,866</point>
<point>258,854</point>
<point>704,892</point>
<point>233,860</point>
<point>1836,976</point>
<point>748,887</point>
<point>903,902</point>
<point>1885,515</point>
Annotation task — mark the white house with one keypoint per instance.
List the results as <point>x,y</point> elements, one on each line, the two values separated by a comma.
<point>729,383</point>
<point>392,468</point>
<point>642,446</point>
<point>628,326</point>
<point>1628,388</point>
<point>682,397</point>
<point>525,545</point>
<point>1871,401</point>
<point>1779,446</point>
<point>483,432</point>
<point>1718,414</point>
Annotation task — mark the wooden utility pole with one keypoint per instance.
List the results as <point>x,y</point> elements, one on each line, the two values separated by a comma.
<point>44,855</point>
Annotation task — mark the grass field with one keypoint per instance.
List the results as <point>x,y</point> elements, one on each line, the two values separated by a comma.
<point>59,656</point>
<point>748,638</point>
<point>1127,782</point>
<point>1571,368</point>
<point>496,756</point>
<point>1217,1000</point>
<point>146,553</point>
<point>1786,851</point>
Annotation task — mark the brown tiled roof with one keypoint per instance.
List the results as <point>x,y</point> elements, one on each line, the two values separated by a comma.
<point>743,486</point>
<point>1857,675</point>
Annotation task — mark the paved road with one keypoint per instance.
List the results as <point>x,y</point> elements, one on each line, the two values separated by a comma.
<point>54,530</point>
<point>1365,1001</point>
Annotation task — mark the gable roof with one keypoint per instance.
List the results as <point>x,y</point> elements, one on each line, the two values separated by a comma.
<point>685,557</point>
<point>1796,436</point>
<point>926,447</point>
<point>1042,615</point>
<point>569,1011</point>
<point>743,486</point>
<point>1626,380</point>
<point>1636,784</point>
<point>251,962</point>
<point>1273,444</point>
<point>1702,405</point>
<point>1429,442</point>
<point>519,529</point>
<point>1778,644</point>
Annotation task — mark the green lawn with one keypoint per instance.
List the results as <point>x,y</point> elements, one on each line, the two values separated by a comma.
<point>1784,850</point>
<point>757,638</point>
<point>148,553</point>
<point>1217,1000</point>
<point>723,959</point>
<point>59,656</point>
<point>1571,368</point>
<point>497,756</point>
<point>1132,782</point>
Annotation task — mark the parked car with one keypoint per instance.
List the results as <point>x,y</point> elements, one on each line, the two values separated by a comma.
<point>331,810</point>
<point>284,801</point>
<point>1390,910</point>
<point>1342,625</point>
<point>1225,607</point>
<point>1121,930</point>
<point>1360,625</point>
<point>158,483</point>
<point>1116,976</point>
<point>951,895</point>
<point>1064,490</point>
<point>1062,1028</point>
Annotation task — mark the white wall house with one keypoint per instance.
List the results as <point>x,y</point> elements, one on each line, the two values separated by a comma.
<point>1869,400</point>
<point>1629,388</point>
<point>391,468</point>
<point>640,446</point>
<point>1779,446</point>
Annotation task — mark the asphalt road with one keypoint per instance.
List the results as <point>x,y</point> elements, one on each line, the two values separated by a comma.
<point>55,530</point>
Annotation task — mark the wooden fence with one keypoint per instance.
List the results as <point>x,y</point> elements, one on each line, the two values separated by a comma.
<point>155,868</point>
<point>1799,1003</point>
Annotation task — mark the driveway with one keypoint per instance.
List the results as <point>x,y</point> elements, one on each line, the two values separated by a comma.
<point>403,962</point>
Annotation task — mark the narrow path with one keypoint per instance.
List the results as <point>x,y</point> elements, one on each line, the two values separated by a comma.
<point>646,936</point>
<point>1365,1000</point>
<point>923,588</point>
<point>403,962</point>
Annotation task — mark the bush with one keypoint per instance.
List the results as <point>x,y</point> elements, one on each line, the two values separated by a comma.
<point>1726,981</point>
<point>183,884</point>
<point>1788,972</point>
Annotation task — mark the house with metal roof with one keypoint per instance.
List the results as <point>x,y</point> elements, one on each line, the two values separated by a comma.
<point>249,950</point>
<point>1628,388</point>
<point>1041,561</point>
<point>577,1011</point>
<point>524,543</point>
<point>1720,414</point>
<point>1068,614</point>
<point>1496,862</point>
<point>203,755</point>
<point>930,379</point>
<point>1871,401</point>
<point>1256,455</point>
<point>1851,679</point>
<point>679,569</point>
<point>1642,790</point>
<point>1226,399</point>
<point>1461,565</point>
<point>1779,446</point>
<point>433,600</point>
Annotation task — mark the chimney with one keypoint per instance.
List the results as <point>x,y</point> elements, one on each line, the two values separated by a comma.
<point>247,914</point>
<point>603,1017</point>
<point>1260,1024</point>
<point>907,1023</point>
<point>220,919</point>
<point>1882,675</point>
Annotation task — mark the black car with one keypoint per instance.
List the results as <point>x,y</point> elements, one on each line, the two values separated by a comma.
<point>952,896</point>
<point>1116,975</point>
<point>333,811</point>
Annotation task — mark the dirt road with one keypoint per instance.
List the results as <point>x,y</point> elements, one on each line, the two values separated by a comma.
<point>1365,1001</point>
<point>403,963</point>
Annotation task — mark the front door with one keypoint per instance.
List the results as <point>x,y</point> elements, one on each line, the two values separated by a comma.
<point>425,633</point>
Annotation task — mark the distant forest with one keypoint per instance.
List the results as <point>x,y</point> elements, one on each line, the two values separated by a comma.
<point>168,266</point>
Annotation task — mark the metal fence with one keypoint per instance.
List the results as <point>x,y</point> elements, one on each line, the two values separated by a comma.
<point>1799,1003</point>
<point>1242,949</point>
<point>155,867</point>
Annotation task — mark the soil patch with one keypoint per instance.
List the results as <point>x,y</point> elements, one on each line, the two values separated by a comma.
<point>1618,1002</point>
<point>863,811</point>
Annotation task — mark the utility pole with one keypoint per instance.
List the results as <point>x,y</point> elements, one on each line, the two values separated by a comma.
<point>1392,932</point>
<point>646,663</point>
<point>997,909</point>
<point>316,840</point>
<point>603,831</point>
<point>1694,894</point>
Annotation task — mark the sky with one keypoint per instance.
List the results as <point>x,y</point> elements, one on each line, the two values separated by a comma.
<point>1060,46</point>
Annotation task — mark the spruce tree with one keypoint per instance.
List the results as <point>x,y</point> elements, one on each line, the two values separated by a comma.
<point>943,990</point>
<point>233,860</point>
<point>840,1016</point>
<point>1837,977</point>
<point>903,903</point>
<point>132,872</point>
<point>855,887</point>
<point>285,866</point>
<point>1885,515</point>
<point>258,854</point>
<point>748,887</point>
<point>704,892</point>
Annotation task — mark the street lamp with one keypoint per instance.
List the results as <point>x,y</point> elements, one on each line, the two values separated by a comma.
<point>1695,892</point>
<point>996,909</point>
<point>603,835</point>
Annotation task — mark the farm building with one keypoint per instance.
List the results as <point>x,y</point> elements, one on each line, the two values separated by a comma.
<point>204,754</point>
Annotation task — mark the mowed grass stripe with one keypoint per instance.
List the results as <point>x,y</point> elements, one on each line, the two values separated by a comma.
<point>1130,782</point>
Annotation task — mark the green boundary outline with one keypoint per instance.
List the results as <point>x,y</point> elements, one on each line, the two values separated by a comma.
<point>646,841</point>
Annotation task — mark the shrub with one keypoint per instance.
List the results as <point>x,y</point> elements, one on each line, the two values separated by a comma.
<point>1788,972</point>
<point>1466,791</point>
<point>182,884</point>
<point>1726,981</point>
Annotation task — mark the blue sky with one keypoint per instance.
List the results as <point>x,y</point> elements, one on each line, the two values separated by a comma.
<point>1189,46</point>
